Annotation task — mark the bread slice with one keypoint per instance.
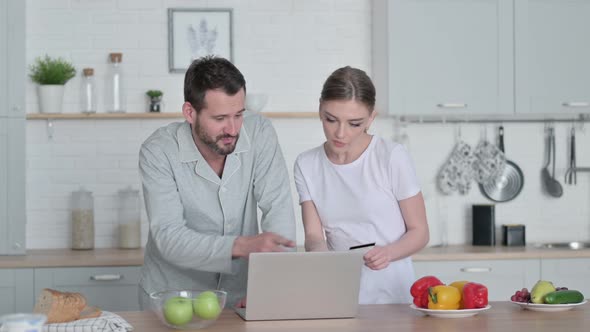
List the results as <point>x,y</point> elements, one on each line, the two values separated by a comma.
<point>61,307</point>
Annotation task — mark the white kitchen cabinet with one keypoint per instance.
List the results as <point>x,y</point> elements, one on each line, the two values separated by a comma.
<point>443,56</point>
<point>12,186</point>
<point>3,55</point>
<point>16,291</point>
<point>12,58</point>
<point>573,273</point>
<point>109,288</point>
<point>482,57</point>
<point>12,127</point>
<point>502,277</point>
<point>552,69</point>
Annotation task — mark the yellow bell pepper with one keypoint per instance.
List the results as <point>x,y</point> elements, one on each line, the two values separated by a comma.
<point>459,285</point>
<point>443,298</point>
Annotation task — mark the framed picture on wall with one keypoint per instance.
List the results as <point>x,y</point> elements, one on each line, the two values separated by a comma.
<point>193,33</point>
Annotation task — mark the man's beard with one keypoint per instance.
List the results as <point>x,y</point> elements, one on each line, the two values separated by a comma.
<point>212,143</point>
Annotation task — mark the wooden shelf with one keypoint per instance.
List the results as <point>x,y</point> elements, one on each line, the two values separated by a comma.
<point>111,116</point>
<point>77,116</point>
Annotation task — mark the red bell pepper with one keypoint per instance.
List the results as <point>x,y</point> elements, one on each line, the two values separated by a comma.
<point>475,295</point>
<point>419,290</point>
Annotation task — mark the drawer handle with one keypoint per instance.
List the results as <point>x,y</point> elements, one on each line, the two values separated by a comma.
<point>106,277</point>
<point>576,104</point>
<point>451,105</point>
<point>476,269</point>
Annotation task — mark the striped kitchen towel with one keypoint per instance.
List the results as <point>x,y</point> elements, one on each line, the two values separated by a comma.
<point>107,322</point>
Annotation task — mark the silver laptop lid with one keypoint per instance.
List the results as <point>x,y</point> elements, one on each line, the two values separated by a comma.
<point>303,285</point>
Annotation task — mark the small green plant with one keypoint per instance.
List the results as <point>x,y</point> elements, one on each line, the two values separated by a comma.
<point>154,93</point>
<point>155,100</point>
<point>46,70</point>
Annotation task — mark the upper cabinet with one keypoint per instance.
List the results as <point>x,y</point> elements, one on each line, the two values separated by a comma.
<point>443,56</point>
<point>481,57</point>
<point>552,56</point>
<point>12,58</point>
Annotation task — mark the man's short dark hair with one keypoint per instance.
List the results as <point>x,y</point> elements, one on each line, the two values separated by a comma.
<point>211,73</point>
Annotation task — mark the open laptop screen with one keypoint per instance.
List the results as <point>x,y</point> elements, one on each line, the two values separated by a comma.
<point>303,285</point>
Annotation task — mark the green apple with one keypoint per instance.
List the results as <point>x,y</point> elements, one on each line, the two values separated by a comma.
<point>178,310</point>
<point>206,305</point>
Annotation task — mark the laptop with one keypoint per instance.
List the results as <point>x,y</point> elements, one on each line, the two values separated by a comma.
<point>302,285</point>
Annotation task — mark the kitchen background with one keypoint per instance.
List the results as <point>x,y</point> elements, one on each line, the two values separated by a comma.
<point>285,48</point>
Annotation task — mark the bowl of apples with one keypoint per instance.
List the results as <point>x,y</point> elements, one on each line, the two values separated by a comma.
<point>188,309</point>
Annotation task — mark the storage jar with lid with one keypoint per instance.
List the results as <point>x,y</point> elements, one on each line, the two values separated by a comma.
<point>88,91</point>
<point>82,220</point>
<point>129,219</point>
<point>115,88</point>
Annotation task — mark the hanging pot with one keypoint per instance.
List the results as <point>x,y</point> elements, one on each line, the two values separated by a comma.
<point>509,184</point>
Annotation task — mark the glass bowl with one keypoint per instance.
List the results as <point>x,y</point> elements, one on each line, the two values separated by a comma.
<point>188,309</point>
<point>22,322</point>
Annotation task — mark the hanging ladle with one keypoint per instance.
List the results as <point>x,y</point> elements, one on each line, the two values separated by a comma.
<point>552,186</point>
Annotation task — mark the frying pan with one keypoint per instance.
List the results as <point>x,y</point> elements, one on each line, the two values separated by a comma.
<point>509,184</point>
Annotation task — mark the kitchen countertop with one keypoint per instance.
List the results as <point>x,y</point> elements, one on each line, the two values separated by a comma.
<point>134,257</point>
<point>469,252</point>
<point>502,317</point>
<point>73,258</point>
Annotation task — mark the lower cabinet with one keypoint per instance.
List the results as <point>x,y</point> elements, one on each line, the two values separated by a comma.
<point>573,273</point>
<point>502,277</point>
<point>109,288</point>
<point>16,293</point>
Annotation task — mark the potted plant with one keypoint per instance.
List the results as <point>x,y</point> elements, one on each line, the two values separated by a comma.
<point>51,75</point>
<point>155,100</point>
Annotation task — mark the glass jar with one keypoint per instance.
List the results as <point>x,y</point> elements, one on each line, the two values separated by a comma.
<point>82,220</point>
<point>115,89</point>
<point>88,91</point>
<point>129,219</point>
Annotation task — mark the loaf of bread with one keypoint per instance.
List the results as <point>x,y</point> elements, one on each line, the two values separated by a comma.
<point>61,307</point>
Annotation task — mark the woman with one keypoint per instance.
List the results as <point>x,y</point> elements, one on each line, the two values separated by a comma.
<point>357,188</point>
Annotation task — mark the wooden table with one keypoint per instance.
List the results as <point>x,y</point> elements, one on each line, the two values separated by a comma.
<point>502,317</point>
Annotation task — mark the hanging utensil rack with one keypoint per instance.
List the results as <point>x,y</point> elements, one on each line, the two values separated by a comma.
<point>471,119</point>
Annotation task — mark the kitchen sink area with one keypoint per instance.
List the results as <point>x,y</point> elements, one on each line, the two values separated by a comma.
<point>574,245</point>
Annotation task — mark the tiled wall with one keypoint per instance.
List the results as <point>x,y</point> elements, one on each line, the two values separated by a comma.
<point>285,48</point>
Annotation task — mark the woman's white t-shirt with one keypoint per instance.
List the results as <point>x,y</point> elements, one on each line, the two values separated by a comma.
<point>358,203</point>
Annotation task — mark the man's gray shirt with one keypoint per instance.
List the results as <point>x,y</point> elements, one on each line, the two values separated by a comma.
<point>195,216</point>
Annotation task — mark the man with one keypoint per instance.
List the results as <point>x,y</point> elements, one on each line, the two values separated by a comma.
<point>203,181</point>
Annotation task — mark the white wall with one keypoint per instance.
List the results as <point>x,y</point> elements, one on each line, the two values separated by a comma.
<point>285,48</point>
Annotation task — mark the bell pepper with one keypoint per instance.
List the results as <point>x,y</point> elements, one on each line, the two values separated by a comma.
<point>443,298</point>
<point>459,285</point>
<point>475,295</point>
<point>419,290</point>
